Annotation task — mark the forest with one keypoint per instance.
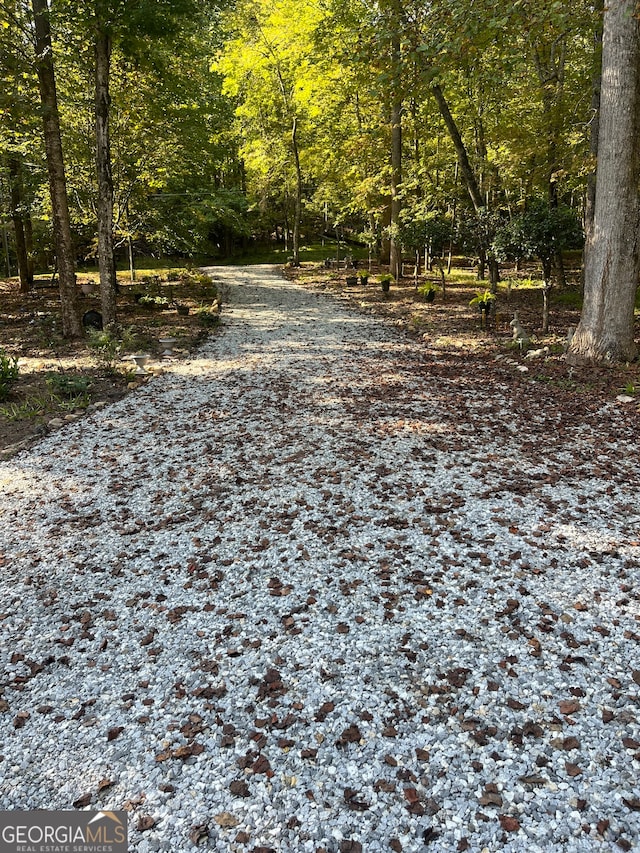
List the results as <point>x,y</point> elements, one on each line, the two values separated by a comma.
<point>193,129</point>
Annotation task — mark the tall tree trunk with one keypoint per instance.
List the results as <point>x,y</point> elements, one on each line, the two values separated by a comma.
<point>590,201</point>
<point>395,253</point>
<point>71,322</point>
<point>605,331</point>
<point>106,260</point>
<point>463,158</point>
<point>16,195</point>
<point>28,238</point>
<point>297,215</point>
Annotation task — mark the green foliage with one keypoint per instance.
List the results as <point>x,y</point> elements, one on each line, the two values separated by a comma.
<point>8,373</point>
<point>107,348</point>
<point>207,315</point>
<point>68,385</point>
<point>428,288</point>
<point>483,298</point>
<point>539,231</point>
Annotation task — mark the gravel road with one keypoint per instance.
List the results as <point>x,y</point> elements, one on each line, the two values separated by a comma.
<point>316,589</point>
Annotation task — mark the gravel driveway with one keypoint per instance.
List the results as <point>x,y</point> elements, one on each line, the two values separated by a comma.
<point>317,589</point>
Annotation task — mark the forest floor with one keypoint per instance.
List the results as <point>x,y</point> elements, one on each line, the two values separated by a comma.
<point>60,380</point>
<point>30,330</point>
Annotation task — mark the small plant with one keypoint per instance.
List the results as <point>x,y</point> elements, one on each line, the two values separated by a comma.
<point>154,301</point>
<point>34,407</point>
<point>8,373</point>
<point>208,315</point>
<point>106,349</point>
<point>428,290</point>
<point>68,385</point>
<point>631,389</point>
<point>385,281</point>
<point>483,299</point>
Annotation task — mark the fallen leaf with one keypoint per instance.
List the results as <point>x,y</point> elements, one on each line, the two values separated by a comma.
<point>509,824</point>
<point>226,820</point>
<point>572,769</point>
<point>83,801</point>
<point>569,706</point>
<point>198,833</point>
<point>145,822</point>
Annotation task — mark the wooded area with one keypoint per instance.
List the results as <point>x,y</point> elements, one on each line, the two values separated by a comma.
<point>191,128</point>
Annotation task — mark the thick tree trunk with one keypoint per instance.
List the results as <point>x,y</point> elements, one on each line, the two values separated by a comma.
<point>16,195</point>
<point>395,250</point>
<point>590,201</point>
<point>71,322</point>
<point>106,260</point>
<point>605,331</point>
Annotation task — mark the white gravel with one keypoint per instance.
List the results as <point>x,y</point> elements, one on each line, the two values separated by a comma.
<point>302,555</point>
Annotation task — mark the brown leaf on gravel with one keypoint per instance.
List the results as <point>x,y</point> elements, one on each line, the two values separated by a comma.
<point>226,820</point>
<point>570,743</point>
<point>633,804</point>
<point>113,733</point>
<point>198,833</point>
<point>569,706</point>
<point>607,715</point>
<point>308,753</point>
<point>395,845</point>
<point>350,846</point>
<point>508,823</point>
<point>353,801</point>
<point>321,713</point>
<point>490,799</point>
<point>20,719</point>
<point>630,743</point>
<point>352,734</point>
<point>145,822</point>
<point>343,628</point>
<point>572,769</point>
<point>515,705</point>
<point>103,784</point>
<point>82,802</point>
<point>261,765</point>
<point>422,754</point>
<point>635,675</point>
<point>239,788</point>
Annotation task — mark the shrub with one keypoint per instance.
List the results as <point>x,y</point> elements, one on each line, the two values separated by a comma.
<point>8,373</point>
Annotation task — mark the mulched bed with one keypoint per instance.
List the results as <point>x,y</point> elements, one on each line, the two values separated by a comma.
<point>30,330</point>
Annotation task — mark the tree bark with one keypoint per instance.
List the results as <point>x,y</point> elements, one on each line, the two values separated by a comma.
<point>106,260</point>
<point>590,201</point>
<point>297,215</point>
<point>463,158</point>
<point>612,268</point>
<point>71,321</point>
<point>17,201</point>
<point>395,250</point>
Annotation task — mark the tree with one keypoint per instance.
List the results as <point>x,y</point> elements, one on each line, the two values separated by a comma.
<point>612,256</point>
<point>71,322</point>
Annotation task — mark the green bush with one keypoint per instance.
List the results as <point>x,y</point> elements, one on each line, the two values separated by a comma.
<point>68,385</point>
<point>8,373</point>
